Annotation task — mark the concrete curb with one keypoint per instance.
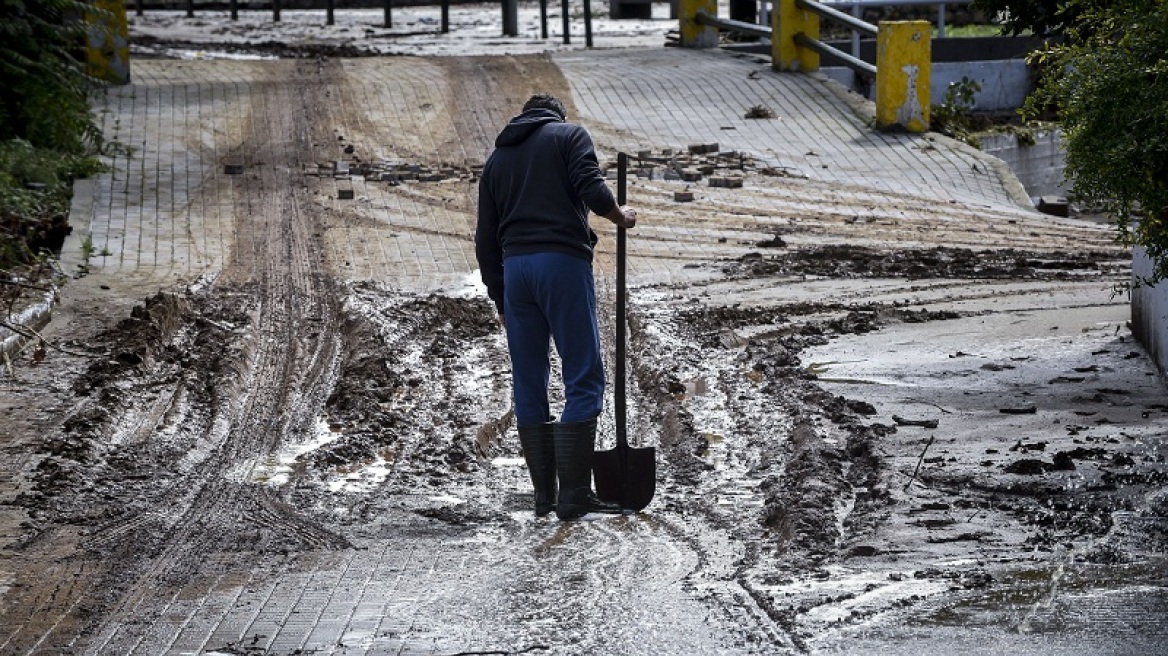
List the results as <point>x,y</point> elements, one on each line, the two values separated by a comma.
<point>34,317</point>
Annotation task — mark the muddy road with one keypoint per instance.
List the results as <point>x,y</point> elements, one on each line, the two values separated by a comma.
<point>880,420</point>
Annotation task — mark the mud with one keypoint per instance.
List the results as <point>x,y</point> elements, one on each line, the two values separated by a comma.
<point>847,261</point>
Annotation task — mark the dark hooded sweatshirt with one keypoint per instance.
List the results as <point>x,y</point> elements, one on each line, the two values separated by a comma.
<point>535,193</point>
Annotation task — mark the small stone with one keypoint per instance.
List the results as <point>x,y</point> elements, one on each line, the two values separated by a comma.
<point>1054,205</point>
<point>732,183</point>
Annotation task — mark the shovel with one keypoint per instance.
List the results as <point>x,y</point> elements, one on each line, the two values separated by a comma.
<point>623,475</point>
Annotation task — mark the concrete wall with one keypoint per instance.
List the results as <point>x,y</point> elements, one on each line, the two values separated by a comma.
<point>1150,312</point>
<point>1004,83</point>
<point>1039,167</point>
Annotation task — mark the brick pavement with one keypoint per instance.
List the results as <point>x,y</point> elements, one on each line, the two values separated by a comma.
<point>683,96</point>
<point>165,211</point>
<point>165,214</point>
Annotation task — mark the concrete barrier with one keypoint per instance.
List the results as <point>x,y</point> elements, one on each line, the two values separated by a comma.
<point>107,47</point>
<point>1150,311</point>
<point>903,75</point>
<point>1039,167</point>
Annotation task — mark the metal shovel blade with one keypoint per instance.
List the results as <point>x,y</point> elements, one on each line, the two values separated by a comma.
<point>623,475</point>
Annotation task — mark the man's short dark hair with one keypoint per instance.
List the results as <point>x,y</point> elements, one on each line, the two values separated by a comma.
<point>546,101</point>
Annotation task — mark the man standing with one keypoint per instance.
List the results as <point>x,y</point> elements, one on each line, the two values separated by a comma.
<point>534,248</point>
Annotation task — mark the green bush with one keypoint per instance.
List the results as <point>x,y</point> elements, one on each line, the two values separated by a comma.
<point>35,192</point>
<point>44,97</point>
<point>1106,76</point>
<point>1108,79</point>
<point>48,135</point>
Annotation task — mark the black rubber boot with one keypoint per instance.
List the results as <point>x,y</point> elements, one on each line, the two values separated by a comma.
<point>539,451</point>
<point>574,445</point>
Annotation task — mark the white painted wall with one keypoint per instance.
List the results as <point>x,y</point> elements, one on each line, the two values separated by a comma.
<point>1150,312</point>
<point>1004,83</point>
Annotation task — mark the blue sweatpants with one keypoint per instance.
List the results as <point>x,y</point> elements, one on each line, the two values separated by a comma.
<point>552,296</point>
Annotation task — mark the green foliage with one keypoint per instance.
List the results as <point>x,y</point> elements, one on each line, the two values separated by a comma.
<point>47,131</point>
<point>35,191</point>
<point>1040,17</point>
<point>1108,79</point>
<point>45,91</point>
<point>953,117</point>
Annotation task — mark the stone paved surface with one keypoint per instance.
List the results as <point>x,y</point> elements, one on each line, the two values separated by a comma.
<point>146,221</point>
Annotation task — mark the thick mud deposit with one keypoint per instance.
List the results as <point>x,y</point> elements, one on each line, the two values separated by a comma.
<point>860,449</point>
<point>783,490</point>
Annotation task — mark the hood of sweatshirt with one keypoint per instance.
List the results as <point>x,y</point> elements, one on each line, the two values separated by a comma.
<point>522,126</point>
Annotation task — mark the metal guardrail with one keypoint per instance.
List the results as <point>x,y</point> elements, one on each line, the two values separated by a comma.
<point>858,26</point>
<point>851,61</point>
<point>510,14</point>
<point>855,63</point>
<point>730,25</point>
<point>276,6</point>
<point>903,52</point>
<point>826,11</point>
<point>858,5</point>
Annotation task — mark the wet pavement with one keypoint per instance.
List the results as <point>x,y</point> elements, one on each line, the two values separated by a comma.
<point>286,425</point>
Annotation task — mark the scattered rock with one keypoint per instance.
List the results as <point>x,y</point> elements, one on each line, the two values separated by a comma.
<point>923,423</point>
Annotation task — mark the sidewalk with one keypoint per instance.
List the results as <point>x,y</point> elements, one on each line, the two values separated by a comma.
<point>164,212</point>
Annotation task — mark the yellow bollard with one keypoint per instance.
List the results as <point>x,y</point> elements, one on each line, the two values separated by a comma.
<point>787,20</point>
<point>903,65</point>
<point>107,47</point>
<point>694,34</point>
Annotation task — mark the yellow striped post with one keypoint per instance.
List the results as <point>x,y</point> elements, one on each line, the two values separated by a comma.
<point>694,34</point>
<point>787,20</point>
<point>903,65</point>
<point>107,48</point>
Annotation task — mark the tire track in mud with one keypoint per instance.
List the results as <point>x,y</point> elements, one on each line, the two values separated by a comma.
<point>286,374</point>
<point>289,362</point>
<point>487,91</point>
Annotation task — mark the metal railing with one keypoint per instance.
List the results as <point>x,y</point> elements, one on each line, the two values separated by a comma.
<point>852,61</point>
<point>857,7</point>
<point>736,26</point>
<point>276,6</point>
<point>509,11</point>
<point>903,51</point>
<point>509,8</point>
<point>858,26</point>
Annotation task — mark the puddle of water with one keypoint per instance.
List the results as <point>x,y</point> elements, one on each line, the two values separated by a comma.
<point>717,450</point>
<point>364,479</point>
<point>817,369</point>
<point>845,591</point>
<point>276,470</point>
<point>471,286</point>
<point>696,387</point>
<point>191,55</point>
